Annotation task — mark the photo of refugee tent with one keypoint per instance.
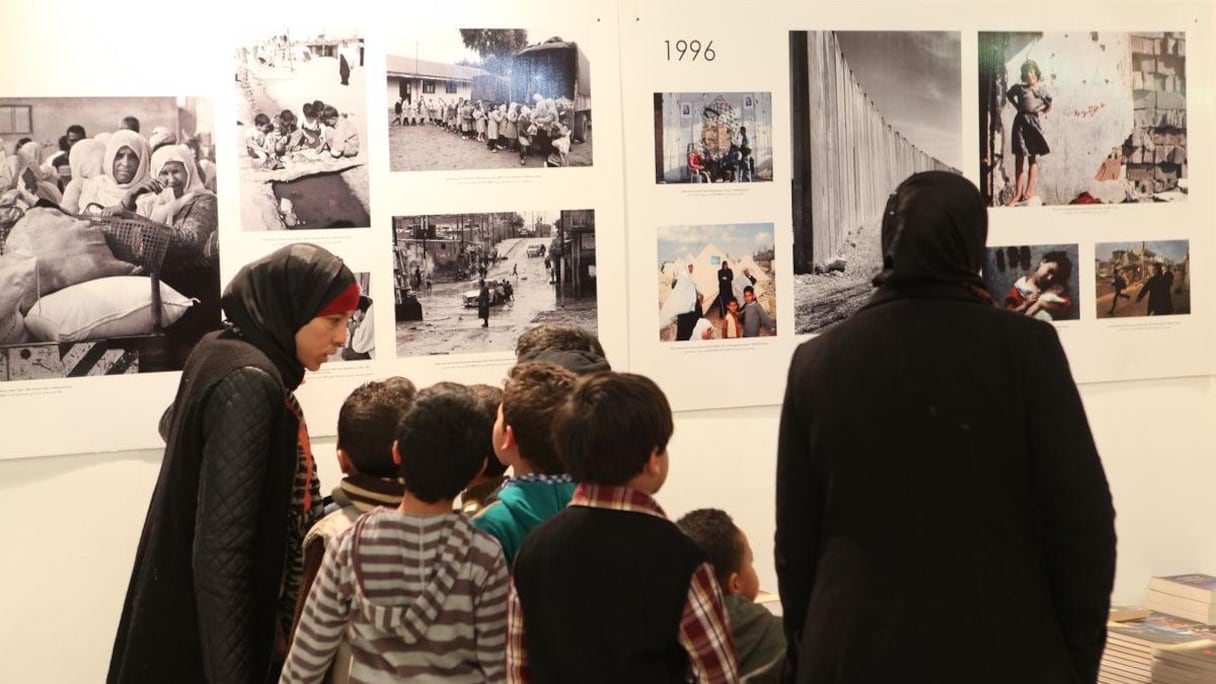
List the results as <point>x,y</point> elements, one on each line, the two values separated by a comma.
<point>301,130</point>
<point>713,137</point>
<point>488,99</point>
<point>1082,117</point>
<point>108,242</point>
<point>1039,281</point>
<point>716,282</point>
<point>468,283</point>
<point>868,109</point>
<point>1142,278</point>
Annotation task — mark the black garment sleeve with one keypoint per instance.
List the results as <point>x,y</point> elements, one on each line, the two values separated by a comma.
<point>1076,518</point>
<point>238,421</point>
<point>800,502</point>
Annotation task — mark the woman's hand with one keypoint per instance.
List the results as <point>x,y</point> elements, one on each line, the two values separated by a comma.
<point>150,185</point>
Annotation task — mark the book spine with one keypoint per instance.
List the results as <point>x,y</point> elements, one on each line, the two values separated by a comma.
<point>1196,593</point>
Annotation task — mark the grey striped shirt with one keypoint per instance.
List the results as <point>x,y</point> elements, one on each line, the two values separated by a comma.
<point>419,597</point>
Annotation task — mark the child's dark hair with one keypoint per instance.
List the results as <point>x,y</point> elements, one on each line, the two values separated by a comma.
<point>261,120</point>
<point>288,118</point>
<point>63,143</point>
<point>533,392</point>
<point>308,110</point>
<point>317,107</point>
<point>329,112</point>
<point>749,289</point>
<point>489,398</point>
<point>441,441</point>
<point>367,424</point>
<point>1063,265</point>
<point>732,298</point>
<point>1029,66</point>
<point>77,129</point>
<point>557,337</point>
<point>718,537</point>
<point>610,426</point>
<point>130,123</point>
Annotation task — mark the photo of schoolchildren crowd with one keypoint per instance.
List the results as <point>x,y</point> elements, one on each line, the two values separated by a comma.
<point>1142,278</point>
<point>1082,117</point>
<point>1039,281</point>
<point>713,137</point>
<point>301,130</point>
<point>716,282</point>
<point>488,99</point>
<point>108,244</point>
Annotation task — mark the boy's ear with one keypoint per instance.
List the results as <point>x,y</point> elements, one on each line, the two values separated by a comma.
<point>733,584</point>
<point>508,438</point>
<point>344,462</point>
<point>654,464</point>
<point>396,453</point>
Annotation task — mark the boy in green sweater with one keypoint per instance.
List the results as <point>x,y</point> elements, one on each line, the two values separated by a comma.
<point>523,440</point>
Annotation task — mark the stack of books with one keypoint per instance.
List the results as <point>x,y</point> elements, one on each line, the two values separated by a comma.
<point>1159,649</point>
<point>1186,596</point>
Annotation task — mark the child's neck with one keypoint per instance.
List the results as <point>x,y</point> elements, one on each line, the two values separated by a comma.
<point>412,505</point>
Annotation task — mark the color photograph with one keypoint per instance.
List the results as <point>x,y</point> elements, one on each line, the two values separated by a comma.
<point>488,99</point>
<point>468,283</point>
<point>1039,281</point>
<point>1142,278</point>
<point>716,282</point>
<point>713,137</point>
<point>1083,117</point>
<point>302,130</point>
<point>868,109</point>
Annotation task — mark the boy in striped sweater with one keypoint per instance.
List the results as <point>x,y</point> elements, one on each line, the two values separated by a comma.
<point>421,594</point>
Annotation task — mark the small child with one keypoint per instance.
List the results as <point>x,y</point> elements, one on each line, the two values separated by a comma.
<point>311,125</point>
<point>609,590</point>
<point>339,134</point>
<point>561,147</point>
<point>483,489</point>
<point>1026,138</point>
<point>421,594</point>
<point>256,138</point>
<point>758,634</point>
<point>523,440</point>
<point>732,325</point>
<point>754,316</point>
<point>367,423</point>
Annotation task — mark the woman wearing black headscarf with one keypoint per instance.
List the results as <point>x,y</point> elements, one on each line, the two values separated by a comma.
<point>212,589</point>
<point>942,513</point>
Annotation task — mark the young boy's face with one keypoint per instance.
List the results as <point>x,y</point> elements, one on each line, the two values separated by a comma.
<point>749,581</point>
<point>749,297</point>
<point>732,306</point>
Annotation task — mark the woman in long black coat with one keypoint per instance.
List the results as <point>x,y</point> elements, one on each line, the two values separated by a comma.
<point>212,588</point>
<point>942,513</point>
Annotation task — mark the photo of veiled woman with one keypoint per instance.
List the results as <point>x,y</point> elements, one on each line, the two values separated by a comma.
<point>108,243</point>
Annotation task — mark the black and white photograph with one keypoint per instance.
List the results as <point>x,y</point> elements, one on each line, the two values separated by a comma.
<point>468,283</point>
<point>302,130</point>
<point>713,137</point>
<point>1142,278</point>
<point>868,109</point>
<point>716,282</point>
<point>1039,281</point>
<point>1082,117</point>
<point>488,98</point>
<point>108,242</point>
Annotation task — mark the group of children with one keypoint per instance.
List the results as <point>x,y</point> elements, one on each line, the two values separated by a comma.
<point>323,132</point>
<point>543,129</point>
<point>501,587</point>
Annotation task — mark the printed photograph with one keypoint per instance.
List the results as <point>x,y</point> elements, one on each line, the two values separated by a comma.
<point>1142,278</point>
<point>868,109</point>
<point>488,99</point>
<point>713,137</point>
<point>108,245</point>
<point>1082,117</point>
<point>302,130</point>
<point>468,283</point>
<point>1039,281</point>
<point>716,282</point>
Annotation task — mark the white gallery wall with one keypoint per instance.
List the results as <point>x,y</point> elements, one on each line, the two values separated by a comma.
<point>71,521</point>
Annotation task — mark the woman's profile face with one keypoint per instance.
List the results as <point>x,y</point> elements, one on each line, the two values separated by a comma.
<point>319,338</point>
<point>1046,272</point>
<point>126,163</point>
<point>173,175</point>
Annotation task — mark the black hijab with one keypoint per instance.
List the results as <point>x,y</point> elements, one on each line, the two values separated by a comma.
<point>934,229</point>
<point>273,297</point>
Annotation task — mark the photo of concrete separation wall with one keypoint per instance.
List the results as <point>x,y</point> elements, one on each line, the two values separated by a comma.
<point>1082,117</point>
<point>868,109</point>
